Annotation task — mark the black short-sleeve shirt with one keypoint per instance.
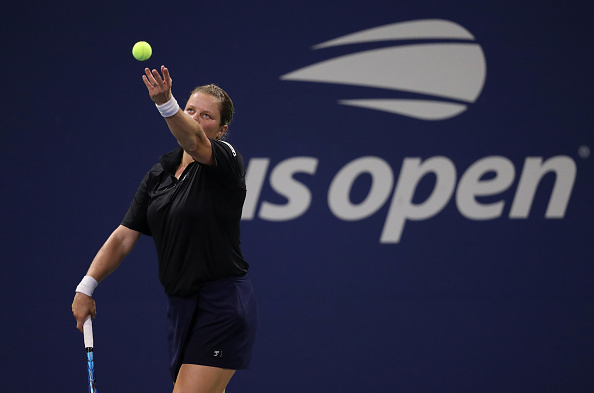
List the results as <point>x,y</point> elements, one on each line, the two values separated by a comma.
<point>194,221</point>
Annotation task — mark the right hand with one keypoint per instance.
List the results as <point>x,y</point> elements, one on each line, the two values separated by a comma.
<point>159,88</point>
<point>83,306</point>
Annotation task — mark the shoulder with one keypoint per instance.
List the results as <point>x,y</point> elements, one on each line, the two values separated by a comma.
<point>153,175</point>
<point>230,148</point>
<point>226,154</point>
<point>224,147</point>
<point>157,169</point>
<point>228,163</point>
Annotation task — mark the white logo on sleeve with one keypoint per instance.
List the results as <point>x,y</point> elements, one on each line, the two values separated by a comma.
<point>230,147</point>
<point>445,72</point>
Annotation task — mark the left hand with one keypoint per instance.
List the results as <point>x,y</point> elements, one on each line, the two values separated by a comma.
<point>158,88</point>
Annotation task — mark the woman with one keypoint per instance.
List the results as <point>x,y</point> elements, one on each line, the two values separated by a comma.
<point>190,203</point>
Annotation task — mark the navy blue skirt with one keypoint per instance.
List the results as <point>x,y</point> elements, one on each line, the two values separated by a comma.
<point>215,327</point>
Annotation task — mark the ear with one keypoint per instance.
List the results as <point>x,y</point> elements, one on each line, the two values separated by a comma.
<point>222,131</point>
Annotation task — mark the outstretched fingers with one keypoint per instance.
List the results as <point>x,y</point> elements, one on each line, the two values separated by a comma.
<point>154,79</point>
<point>157,78</point>
<point>159,88</point>
<point>149,79</point>
<point>146,82</point>
<point>166,76</point>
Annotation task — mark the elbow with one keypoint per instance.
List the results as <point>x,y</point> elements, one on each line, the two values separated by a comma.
<point>125,239</point>
<point>193,142</point>
<point>196,145</point>
<point>188,146</point>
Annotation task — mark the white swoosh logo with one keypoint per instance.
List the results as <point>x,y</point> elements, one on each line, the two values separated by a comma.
<point>451,74</point>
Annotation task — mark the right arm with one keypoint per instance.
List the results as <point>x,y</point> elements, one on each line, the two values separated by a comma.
<point>118,245</point>
<point>187,131</point>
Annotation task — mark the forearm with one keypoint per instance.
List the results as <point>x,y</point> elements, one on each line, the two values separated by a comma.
<point>118,245</point>
<point>189,135</point>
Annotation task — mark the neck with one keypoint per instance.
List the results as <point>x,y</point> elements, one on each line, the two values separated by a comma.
<point>186,160</point>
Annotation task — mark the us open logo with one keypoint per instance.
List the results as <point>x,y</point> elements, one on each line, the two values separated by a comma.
<point>432,70</point>
<point>437,60</point>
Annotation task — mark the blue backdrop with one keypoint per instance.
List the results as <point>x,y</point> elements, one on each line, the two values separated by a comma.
<point>419,213</point>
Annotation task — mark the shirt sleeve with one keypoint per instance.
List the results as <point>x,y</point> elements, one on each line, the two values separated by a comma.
<point>136,217</point>
<point>229,167</point>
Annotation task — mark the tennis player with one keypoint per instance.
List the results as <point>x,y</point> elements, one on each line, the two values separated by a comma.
<point>191,203</point>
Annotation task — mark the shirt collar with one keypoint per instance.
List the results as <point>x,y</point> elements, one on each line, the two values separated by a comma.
<point>170,161</point>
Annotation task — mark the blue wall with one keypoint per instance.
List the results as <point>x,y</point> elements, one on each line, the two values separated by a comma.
<point>440,243</point>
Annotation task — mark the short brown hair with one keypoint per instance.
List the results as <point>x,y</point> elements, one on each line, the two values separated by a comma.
<point>226,108</point>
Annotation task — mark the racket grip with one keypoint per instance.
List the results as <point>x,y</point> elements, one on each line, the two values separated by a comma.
<point>88,332</point>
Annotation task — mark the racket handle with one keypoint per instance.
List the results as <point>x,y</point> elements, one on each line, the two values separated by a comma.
<point>88,332</point>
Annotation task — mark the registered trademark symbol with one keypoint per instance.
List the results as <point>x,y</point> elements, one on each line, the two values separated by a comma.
<point>584,151</point>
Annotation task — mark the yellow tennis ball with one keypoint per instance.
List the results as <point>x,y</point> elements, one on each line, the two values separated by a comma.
<point>142,51</point>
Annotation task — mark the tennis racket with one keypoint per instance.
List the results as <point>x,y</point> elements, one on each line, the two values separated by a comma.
<point>88,333</point>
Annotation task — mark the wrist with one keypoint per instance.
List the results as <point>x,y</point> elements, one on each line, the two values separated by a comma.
<point>169,108</point>
<point>87,286</point>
